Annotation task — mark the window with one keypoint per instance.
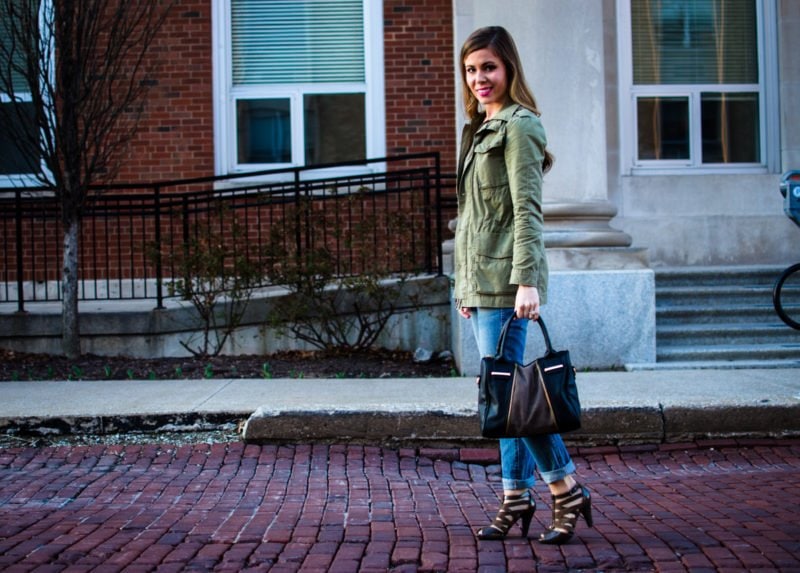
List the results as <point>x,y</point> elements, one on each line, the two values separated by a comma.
<point>299,83</point>
<point>698,73</point>
<point>16,109</point>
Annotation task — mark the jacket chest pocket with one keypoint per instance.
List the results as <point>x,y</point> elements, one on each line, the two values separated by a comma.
<point>490,170</point>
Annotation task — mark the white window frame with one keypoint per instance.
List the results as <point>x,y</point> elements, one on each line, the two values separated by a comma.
<point>226,95</point>
<point>18,179</point>
<point>766,16</point>
<point>26,179</point>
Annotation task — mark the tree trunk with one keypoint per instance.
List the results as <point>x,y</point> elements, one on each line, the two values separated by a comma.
<point>70,330</point>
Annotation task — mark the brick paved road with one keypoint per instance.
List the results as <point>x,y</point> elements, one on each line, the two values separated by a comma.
<point>231,507</point>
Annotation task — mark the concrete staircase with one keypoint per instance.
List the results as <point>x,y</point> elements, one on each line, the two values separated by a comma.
<point>721,317</point>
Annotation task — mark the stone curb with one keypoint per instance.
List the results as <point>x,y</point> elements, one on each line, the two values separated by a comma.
<point>601,426</point>
<point>612,426</point>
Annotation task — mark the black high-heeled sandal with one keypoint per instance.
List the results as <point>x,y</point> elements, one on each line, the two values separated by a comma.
<point>513,509</point>
<point>566,509</point>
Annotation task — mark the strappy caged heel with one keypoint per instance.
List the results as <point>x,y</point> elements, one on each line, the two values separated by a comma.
<point>514,508</point>
<point>567,507</point>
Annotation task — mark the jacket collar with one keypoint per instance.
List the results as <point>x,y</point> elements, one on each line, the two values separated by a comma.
<point>504,115</point>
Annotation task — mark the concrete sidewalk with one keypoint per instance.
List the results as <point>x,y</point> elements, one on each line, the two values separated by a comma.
<point>619,407</point>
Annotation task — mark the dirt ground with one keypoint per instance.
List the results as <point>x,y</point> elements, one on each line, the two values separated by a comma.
<point>372,364</point>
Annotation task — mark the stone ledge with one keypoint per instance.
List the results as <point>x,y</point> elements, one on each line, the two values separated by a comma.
<point>602,427</point>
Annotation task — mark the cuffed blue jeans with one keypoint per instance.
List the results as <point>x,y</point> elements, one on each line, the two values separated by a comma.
<point>520,457</point>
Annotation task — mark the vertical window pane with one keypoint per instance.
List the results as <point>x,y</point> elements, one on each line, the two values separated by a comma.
<point>263,130</point>
<point>663,127</point>
<point>16,119</point>
<point>694,42</point>
<point>730,128</point>
<point>14,122</point>
<point>334,128</point>
<point>12,54</point>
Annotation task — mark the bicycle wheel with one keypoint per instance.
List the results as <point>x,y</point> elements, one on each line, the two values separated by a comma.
<point>786,296</point>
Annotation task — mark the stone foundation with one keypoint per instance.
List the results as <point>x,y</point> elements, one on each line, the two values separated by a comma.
<point>603,313</point>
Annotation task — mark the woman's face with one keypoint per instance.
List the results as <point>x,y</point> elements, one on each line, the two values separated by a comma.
<point>487,79</point>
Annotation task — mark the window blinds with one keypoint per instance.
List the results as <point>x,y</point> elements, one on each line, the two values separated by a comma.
<point>694,42</point>
<point>298,41</point>
<point>10,50</point>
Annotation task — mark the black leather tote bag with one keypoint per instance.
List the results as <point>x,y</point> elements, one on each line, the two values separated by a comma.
<point>527,400</point>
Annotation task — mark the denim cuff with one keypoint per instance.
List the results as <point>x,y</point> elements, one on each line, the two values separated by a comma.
<point>558,474</point>
<point>509,483</point>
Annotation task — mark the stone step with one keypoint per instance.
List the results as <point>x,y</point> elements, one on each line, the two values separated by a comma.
<point>713,296</point>
<point>723,295</point>
<point>708,334</point>
<point>722,316</point>
<point>729,352</point>
<point>702,314</point>
<point>715,364</point>
<point>759,275</point>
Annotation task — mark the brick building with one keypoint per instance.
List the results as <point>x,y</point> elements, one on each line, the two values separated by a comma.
<point>406,87</point>
<point>226,74</point>
<point>671,121</point>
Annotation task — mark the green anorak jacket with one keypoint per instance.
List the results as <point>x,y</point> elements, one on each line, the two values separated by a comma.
<point>499,236</point>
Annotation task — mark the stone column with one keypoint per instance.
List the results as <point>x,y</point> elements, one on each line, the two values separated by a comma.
<point>561,46</point>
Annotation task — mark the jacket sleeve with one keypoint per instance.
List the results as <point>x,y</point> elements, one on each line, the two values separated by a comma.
<point>524,153</point>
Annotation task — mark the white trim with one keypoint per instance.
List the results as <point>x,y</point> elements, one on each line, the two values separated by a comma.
<point>18,97</point>
<point>627,102</point>
<point>686,89</point>
<point>375,104</point>
<point>767,90</point>
<point>220,39</point>
<point>25,180</point>
<point>225,95</point>
<point>769,64</point>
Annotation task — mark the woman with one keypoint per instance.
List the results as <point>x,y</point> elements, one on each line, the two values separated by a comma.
<point>500,264</point>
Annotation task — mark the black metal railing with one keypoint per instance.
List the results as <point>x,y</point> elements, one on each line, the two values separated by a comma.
<point>389,210</point>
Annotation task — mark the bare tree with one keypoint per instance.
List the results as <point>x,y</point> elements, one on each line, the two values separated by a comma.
<point>76,73</point>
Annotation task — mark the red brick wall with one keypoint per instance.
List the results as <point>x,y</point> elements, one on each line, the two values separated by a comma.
<point>176,137</point>
<point>420,78</point>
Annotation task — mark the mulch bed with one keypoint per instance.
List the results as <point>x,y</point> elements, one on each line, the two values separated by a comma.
<point>368,364</point>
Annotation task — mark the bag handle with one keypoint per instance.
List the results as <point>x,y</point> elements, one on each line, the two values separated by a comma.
<point>504,332</point>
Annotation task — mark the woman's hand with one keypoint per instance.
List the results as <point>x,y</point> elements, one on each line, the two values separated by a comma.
<point>527,303</point>
<point>464,311</point>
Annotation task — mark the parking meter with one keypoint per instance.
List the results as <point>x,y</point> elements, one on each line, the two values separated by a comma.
<point>790,189</point>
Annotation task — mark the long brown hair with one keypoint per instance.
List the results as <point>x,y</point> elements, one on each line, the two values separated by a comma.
<point>498,40</point>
